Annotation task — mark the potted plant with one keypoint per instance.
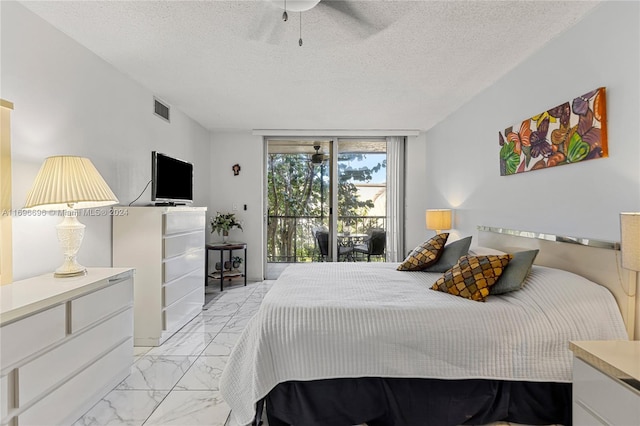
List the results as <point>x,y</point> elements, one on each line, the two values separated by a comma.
<point>236,262</point>
<point>223,223</point>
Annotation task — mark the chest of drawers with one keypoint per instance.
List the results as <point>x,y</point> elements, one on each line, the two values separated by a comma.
<point>64,344</point>
<point>166,247</point>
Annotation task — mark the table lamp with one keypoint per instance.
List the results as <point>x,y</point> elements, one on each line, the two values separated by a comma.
<point>630,240</point>
<point>69,183</point>
<point>438,219</point>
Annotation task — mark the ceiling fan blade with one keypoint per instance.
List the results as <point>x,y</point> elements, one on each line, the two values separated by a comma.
<point>347,9</point>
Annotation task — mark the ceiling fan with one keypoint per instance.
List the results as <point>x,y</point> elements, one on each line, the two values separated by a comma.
<point>294,6</point>
<point>270,28</point>
<point>318,157</point>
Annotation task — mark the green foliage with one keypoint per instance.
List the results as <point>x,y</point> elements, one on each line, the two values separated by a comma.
<point>224,222</point>
<point>298,194</point>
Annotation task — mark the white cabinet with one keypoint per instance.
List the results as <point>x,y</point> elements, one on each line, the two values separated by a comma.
<point>66,342</point>
<point>606,383</point>
<point>166,247</point>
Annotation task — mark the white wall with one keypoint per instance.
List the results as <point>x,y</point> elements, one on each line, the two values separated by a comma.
<point>69,101</point>
<point>227,190</point>
<point>229,148</point>
<point>581,200</point>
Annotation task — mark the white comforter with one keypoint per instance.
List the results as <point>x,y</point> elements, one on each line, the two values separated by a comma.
<point>368,320</point>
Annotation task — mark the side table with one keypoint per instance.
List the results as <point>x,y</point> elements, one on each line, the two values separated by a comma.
<point>606,382</point>
<point>222,274</point>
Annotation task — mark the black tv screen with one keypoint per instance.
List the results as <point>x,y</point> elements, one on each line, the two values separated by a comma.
<point>171,179</point>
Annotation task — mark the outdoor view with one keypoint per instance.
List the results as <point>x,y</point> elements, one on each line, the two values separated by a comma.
<point>299,195</point>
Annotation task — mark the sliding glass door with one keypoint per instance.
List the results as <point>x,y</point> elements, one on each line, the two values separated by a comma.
<point>362,199</point>
<point>325,199</point>
<point>298,200</point>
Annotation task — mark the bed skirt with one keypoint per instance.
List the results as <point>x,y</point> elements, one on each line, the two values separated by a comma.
<point>420,402</point>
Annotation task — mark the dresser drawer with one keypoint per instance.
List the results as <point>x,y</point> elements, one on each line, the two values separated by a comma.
<point>19,339</point>
<point>176,315</point>
<point>182,265</point>
<point>78,394</point>
<point>604,397</point>
<point>52,367</point>
<point>4,396</point>
<point>179,222</point>
<point>179,288</point>
<point>182,243</point>
<point>582,417</point>
<point>88,309</point>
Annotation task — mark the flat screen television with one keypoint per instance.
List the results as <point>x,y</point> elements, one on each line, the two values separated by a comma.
<point>171,180</point>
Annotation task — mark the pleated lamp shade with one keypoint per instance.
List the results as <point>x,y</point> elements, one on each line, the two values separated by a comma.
<point>438,219</point>
<point>630,240</point>
<point>67,180</point>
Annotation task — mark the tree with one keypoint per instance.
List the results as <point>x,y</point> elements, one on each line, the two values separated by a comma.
<point>298,200</point>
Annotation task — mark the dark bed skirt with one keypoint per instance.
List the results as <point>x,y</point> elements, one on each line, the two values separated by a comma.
<point>419,402</point>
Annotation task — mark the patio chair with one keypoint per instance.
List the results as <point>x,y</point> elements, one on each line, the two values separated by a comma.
<point>322,239</point>
<point>322,243</point>
<point>374,244</point>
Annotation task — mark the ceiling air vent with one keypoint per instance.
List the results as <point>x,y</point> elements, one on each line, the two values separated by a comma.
<point>161,109</point>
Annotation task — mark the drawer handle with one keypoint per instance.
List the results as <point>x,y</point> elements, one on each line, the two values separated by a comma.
<point>117,280</point>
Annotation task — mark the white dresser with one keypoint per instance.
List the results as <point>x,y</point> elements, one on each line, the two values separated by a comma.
<point>64,344</point>
<point>606,383</point>
<point>166,247</point>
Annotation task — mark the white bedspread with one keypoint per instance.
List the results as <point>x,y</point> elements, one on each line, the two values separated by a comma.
<point>336,320</point>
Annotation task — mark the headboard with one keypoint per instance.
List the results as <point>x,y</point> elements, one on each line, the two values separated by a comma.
<point>597,260</point>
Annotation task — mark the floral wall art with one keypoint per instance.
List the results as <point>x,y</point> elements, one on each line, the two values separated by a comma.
<point>569,133</point>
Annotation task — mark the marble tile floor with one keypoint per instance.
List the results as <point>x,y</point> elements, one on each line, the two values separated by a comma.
<point>177,383</point>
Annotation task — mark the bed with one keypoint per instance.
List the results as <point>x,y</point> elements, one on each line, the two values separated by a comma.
<point>349,343</point>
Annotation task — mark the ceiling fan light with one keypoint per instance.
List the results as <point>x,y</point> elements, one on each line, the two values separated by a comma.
<point>296,5</point>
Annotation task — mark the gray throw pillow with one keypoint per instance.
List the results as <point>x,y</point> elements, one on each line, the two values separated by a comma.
<point>515,273</point>
<point>450,255</point>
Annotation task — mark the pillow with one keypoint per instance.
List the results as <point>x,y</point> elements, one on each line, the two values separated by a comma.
<point>515,273</point>
<point>425,254</point>
<point>452,252</point>
<point>484,251</point>
<point>472,276</point>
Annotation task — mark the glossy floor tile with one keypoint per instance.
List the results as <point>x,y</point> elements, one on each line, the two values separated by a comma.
<point>177,383</point>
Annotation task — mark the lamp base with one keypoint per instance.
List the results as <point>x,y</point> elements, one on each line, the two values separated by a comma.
<point>79,273</point>
<point>70,235</point>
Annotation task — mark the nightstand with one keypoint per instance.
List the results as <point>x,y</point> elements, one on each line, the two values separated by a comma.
<point>606,382</point>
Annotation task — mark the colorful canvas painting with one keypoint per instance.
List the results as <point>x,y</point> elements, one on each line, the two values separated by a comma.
<point>569,133</point>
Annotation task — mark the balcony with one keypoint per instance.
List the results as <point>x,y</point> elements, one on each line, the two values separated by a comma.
<point>290,239</point>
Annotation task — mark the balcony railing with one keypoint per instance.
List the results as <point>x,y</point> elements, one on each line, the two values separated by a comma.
<point>291,239</point>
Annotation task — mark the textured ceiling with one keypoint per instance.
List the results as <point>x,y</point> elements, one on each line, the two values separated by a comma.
<point>237,65</point>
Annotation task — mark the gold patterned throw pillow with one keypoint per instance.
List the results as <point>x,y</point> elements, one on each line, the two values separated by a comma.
<point>472,276</point>
<point>425,254</point>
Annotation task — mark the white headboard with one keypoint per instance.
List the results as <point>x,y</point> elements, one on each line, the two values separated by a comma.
<point>597,260</point>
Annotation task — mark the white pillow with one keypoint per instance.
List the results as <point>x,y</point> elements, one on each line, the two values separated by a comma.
<point>484,251</point>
